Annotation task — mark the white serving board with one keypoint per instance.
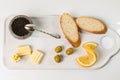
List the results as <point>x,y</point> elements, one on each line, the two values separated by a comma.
<point>47,44</point>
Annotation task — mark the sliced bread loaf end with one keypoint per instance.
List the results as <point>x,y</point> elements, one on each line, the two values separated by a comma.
<point>91,24</point>
<point>70,29</point>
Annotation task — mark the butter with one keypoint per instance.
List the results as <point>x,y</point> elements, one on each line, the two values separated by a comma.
<point>36,56</point>
<point>24,50</point>
<point>16,58</point>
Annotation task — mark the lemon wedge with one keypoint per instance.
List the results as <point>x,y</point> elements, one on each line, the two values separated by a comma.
<point>91,45</point>
<point>91,57</point>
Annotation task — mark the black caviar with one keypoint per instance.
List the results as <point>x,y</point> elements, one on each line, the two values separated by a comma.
<point>18,26</point>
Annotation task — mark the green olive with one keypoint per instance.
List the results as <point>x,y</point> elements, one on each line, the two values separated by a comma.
<point>58,49</point>
<point>69,51</point>
<point>57,58</point>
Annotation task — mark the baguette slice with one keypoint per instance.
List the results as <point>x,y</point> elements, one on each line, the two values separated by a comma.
<point>70,29</point>
<point>92,25</point>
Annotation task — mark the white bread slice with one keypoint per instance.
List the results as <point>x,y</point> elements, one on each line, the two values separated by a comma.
<point>70,29</point>
<point>91,24</point>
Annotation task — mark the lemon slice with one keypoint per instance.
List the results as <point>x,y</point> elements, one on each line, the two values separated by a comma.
<point>91,57</point>
<point>88,60</point>
<point>91,45</point>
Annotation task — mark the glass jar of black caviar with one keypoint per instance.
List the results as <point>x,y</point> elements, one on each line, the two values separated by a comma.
<point>17,26</point>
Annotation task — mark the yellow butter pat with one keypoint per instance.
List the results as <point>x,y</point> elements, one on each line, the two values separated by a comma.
<point>24,50</point>
<point>36,56</point>
<point>16,58</point>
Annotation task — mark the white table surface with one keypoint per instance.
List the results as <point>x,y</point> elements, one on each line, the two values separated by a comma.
<point>49,7</point>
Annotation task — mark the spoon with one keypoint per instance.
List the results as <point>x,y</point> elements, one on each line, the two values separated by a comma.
<point>31,28</point>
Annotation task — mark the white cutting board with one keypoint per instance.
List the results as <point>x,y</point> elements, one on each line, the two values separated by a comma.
<point>108,46</point>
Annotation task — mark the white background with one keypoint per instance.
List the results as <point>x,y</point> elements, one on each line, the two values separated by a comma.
<point>109,10</point>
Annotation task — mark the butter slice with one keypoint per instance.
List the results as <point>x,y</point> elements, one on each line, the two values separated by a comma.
<point>16,58</point>
<point>36,56</point>
<point>24,50</point>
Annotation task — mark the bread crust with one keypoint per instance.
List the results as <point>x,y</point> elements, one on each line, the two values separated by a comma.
<point>76,43</point>
<point>95,32</point>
